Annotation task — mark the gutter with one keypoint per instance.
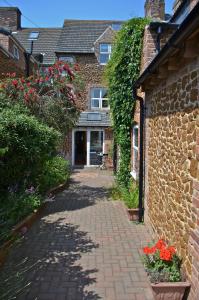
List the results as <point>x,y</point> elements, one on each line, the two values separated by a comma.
<point>141,155</point>
<point>185,29</point>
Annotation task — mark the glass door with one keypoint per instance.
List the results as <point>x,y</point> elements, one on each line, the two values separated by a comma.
<point>96,147</point>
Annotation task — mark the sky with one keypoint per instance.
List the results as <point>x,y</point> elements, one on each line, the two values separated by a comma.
<point>51,13</point>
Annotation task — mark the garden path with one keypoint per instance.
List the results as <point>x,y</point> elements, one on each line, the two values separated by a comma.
<point>83,248</point>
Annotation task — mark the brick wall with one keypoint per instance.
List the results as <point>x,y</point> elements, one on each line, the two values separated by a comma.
<point>155,9</point>
<point>172,165</point>
<point>10,17</point>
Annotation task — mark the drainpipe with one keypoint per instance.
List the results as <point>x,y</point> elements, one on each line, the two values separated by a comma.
<point>141,154</point>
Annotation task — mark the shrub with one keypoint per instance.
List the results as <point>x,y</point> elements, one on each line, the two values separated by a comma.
<point>50,94</point>
<point>25,145</point>
<point>14,207</point>
<point>56,171</point>
<point>130,195</point>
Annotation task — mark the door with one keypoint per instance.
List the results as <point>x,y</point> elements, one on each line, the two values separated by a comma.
<point>96,147</point>
<point>80,148</point>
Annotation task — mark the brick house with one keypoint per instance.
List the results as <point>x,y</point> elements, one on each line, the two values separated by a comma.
<point>13,56</point>
<point>169,86</point>
<point>87,43</point>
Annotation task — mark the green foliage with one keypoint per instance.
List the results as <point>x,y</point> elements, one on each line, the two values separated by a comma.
<point>56,171</point>
<point>130,195</point>
<point>122,71</point>
<point>14,207</point>
<point>27,145</point>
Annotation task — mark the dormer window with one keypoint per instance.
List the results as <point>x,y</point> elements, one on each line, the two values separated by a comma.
<point>16,52</point>
<point>105,53</point>
<point>99,98</point>
<point>116,26</point>
<point>68,59</point>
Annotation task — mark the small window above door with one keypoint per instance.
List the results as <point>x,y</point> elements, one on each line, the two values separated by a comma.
<point>99,99</point>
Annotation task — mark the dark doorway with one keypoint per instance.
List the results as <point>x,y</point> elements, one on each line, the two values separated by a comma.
<point>80,148</point>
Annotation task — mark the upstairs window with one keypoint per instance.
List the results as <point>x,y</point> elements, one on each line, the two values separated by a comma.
<point>105,53</point>
<point>67,59</point>
<point>99,98</point>
<point>16,52</point>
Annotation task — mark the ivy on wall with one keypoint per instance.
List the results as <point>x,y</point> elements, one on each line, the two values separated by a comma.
<point>121,72</point>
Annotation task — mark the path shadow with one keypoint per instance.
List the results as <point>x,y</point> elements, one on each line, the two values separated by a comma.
<point>76,198</point>
<point>45,265</point>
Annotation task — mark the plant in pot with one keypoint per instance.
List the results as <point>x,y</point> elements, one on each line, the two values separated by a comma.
<point>130,197</point>
<point>164,269</point>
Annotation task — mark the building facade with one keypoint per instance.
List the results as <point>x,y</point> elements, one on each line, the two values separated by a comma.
<point>87,43</point>
<point>169,83</point>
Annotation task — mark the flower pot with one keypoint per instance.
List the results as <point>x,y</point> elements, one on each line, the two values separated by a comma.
<point>133,214</point>
<point>169,290</point>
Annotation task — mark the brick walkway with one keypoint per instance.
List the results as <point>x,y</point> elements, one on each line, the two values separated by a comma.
<point>83,248</point>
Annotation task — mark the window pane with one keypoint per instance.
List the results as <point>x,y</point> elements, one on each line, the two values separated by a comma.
<point>104,93</point>
<point>105,103</point>
<point>95,93</point>
<point>104,47</point>
<point>135,136</point>
<point>95,103</point>
<point>104,58</point>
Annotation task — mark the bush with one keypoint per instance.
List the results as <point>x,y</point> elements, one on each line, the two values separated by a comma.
<point>14,208</point>
<point>130,195</point>
<point>56,171</point>
<point>25,145</point>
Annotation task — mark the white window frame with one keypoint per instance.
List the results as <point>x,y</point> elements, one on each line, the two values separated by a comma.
<point>16,52</point>
<point>105,52</point>
<point>100,99</point>
<point>135,149</point>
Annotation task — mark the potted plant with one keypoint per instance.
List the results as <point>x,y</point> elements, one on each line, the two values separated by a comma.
<point>164,269</point>
<point>130,197</point>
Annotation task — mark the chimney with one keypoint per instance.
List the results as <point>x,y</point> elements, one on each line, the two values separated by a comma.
<point>10,17</point>
<point>155,9</point>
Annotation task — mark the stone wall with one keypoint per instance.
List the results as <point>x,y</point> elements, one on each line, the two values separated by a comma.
<point>92,76</point>
<point>172,165</point>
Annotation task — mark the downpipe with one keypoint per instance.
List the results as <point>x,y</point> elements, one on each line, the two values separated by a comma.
<point>141,155</point>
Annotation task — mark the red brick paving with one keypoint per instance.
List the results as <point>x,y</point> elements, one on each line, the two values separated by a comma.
<point>83,248</point>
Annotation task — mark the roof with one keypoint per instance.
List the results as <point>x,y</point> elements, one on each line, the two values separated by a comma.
<point>103,119</point>
<point>79,36</point>
<point>185,29</point>
<point>46,43</point>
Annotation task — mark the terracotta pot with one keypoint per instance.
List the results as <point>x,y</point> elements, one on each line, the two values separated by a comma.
<point>169,290</point>
<point>133,214</point>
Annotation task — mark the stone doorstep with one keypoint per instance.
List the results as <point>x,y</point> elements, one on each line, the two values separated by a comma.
<point>27,224</point>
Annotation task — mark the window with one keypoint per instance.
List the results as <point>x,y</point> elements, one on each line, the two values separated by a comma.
<point>16,52</point>
<point>105,53</point>
<point>68,59</point>
<point>33,36</point>
<point>99,98</point>
<point>116,26</point>
<point>135,160</point>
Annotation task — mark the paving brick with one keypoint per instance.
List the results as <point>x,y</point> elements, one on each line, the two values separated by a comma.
<point>83,247</point>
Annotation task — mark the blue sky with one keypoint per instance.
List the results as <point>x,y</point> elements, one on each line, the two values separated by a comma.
<point>50,13</point>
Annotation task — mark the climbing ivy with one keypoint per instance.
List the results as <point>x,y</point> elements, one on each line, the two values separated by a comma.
<point>121,72</point>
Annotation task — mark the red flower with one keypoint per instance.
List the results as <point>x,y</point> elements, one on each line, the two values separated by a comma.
<point>160,245</point>
<point>165,254</point>
<point>22,80</point>
<point>15,83</point>
<point>148,250</point>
